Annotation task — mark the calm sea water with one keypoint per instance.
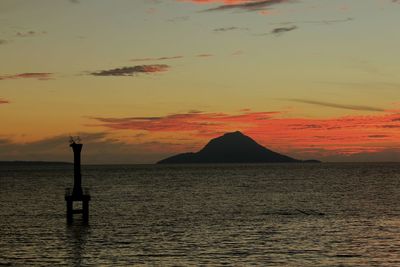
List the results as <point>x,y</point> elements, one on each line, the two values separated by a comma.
<point>241,215</point>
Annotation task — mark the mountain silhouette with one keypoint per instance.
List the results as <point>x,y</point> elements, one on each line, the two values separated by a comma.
<point>232,147</point>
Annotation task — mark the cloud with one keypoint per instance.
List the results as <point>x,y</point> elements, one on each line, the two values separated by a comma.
<point>149,139</point>
<point>227,2</point>
<point>156,58</point>
<point>204,55</point>
<point>390,126</point>
<point>130,71</point>
<point>191,121</point>
<point>30,33</point>
<point>323,22</point>
<point>378,136</point>
<point>4,101</point>
<point>250,5</point>
<point>280,30</point>
<point>334,105</point>
<point>366,85</point>
<point>226,29</point>
<point>383,155</point>
<point>29,75</point>
<point>300,137</point>
<point>327,22</point>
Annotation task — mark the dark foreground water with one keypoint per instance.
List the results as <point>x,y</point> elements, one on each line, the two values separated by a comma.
<point>241,215</point>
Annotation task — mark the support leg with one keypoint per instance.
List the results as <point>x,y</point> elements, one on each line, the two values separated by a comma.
<point>69,212</point>
<point>85,211</point>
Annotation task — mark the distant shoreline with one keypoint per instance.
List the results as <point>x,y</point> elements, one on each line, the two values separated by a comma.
<point>18,162</point>
<point>22,162</point>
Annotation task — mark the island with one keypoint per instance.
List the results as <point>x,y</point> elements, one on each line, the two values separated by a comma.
<point>234,147</point>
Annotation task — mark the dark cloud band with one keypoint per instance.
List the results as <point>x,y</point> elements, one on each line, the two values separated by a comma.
<point>281,30</point>
<point>4,101</point>
<point>334,105</point>
<point>130,71</point>
<point>28,75</point>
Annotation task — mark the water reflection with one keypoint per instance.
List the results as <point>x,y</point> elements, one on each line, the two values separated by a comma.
<point>76,238</point>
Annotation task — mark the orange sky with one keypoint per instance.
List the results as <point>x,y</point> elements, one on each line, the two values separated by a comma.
<point>141,80</point>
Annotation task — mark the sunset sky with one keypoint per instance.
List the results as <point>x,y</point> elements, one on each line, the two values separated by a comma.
<point>139,80</point>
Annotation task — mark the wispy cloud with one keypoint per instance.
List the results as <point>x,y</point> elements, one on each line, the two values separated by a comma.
<point>29,75</point>
<point>365,85</point>
<point>130,71</point>
<point>221,2</point>
<point>4,101</point>
<point>204,55</point>
<point>321,22</point>
<point>156,58</point>
<point>328,22</point>
<point>191,121</point>
<point>335,105</point>
<point>246,5</point>
<point>281,30</point>
<point>30,33</point>
<point>378,136</point>
<point>226,29</point>
<point>227,2</point>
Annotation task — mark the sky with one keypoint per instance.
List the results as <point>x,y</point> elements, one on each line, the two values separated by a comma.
<point>140,80</point>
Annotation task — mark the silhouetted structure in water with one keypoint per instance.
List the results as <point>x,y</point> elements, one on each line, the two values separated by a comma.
<point>78,194</point>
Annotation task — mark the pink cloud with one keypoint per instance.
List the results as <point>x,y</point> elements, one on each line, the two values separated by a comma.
<point>341,135</point>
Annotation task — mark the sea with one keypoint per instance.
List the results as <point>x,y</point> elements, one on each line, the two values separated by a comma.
<point>328,214</point>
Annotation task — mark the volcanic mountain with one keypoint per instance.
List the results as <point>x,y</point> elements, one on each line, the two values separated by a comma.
<point>232,147</point>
